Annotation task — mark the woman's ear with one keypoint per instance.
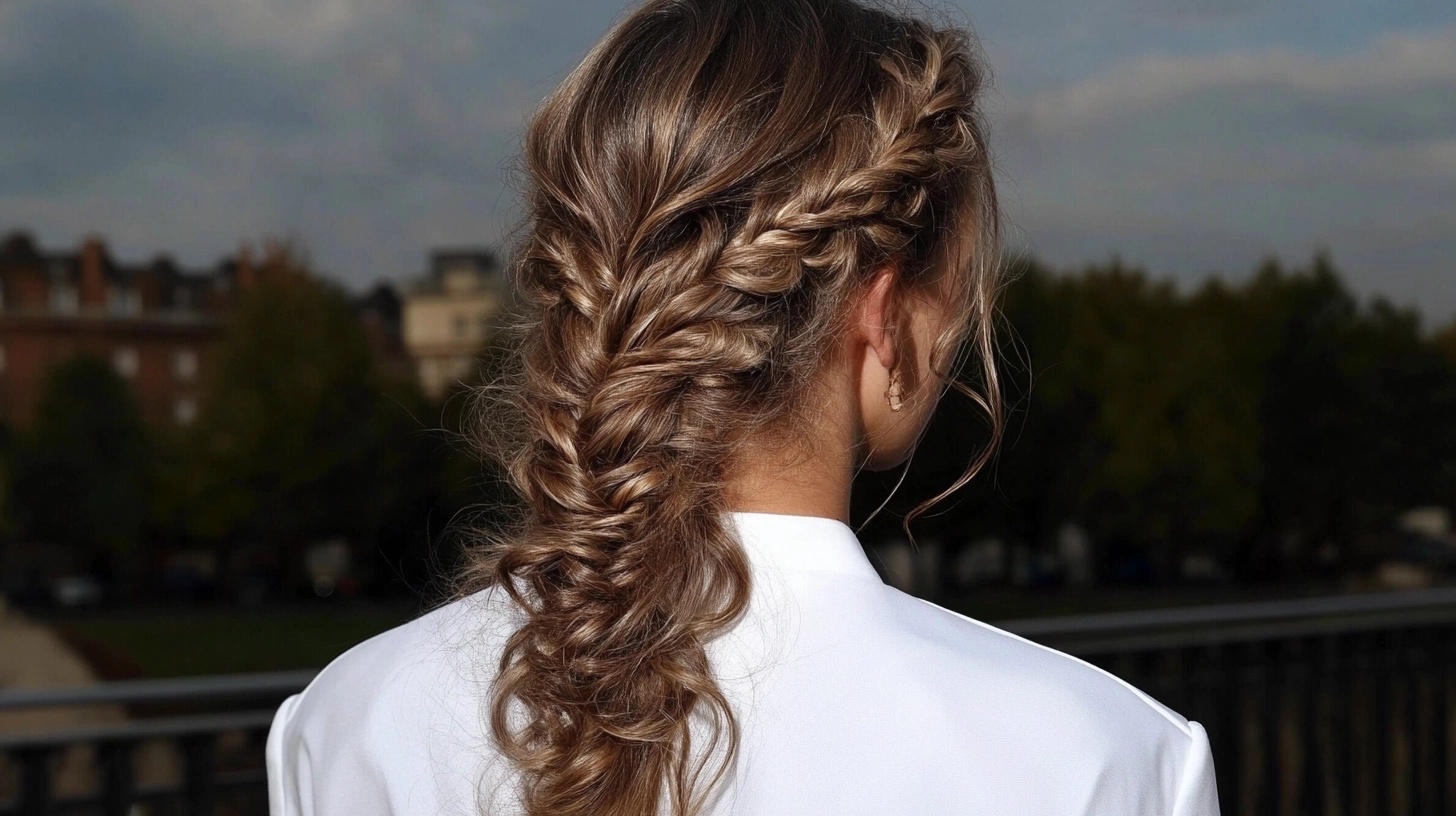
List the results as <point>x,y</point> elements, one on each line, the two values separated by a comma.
<point>877,315</point>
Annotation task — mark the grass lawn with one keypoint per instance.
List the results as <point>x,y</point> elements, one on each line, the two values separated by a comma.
<point>190,642</point>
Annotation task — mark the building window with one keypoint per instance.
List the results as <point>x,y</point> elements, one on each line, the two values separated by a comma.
<point>462,326</point>
<point>125,361</point>
<point>184,364</point>
<point>184,410</point>
<point>64,299</point>
<point>123,301</point>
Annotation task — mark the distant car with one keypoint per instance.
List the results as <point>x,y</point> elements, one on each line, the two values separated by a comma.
<point>77,590</point>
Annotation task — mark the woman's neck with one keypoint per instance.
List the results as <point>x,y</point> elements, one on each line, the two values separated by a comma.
<point>809,475</point>
<point>812,489</point>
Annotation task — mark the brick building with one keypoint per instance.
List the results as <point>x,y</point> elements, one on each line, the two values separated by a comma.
<point>155,322</point>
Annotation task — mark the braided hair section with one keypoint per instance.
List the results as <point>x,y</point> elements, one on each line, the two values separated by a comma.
<point>704,200</point>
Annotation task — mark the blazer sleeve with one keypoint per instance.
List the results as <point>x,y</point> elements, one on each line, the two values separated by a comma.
<point>322,761</point>
<point>330,753</point>
<point>1197,791</point>
<point>287,766</point>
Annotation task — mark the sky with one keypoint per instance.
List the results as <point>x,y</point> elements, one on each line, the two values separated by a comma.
<point>1190,137</point>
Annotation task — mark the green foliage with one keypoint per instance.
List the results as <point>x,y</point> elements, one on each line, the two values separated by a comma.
<point>300,437</point>
<point>83,472</point>
<point>1259,421</point>
<point>1355,413</point>
<point>1264,421</point>
<point>282,438</point>
<point>8,527</point>
<point>1445,340</point>
<point>480,436</point>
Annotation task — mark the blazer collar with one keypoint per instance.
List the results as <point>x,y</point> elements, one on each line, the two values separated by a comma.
<point>802,544</point>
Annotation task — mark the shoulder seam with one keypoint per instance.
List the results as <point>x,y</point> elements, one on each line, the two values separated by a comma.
<point>398,629</point>
<point>1139,693</point>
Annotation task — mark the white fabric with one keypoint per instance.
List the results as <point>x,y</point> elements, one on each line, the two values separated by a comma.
<point>853,697</point>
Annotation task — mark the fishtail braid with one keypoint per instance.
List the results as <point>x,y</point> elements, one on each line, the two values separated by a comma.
<point>702,204</point>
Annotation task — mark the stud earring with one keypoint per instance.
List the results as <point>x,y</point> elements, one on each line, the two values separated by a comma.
<point>895,396</point>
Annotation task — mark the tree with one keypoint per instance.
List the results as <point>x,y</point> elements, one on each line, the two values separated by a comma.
<point>1261,422</point>
<point>1445,340</point>
<point>423,477</point>
<point>83,471</point>
<point>301,436</point>
<point>287,437</point>
<point>1445,343</point>
<point>1128,410</point>
<point>278,434</point>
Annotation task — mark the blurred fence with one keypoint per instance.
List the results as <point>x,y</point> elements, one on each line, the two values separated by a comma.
<point>193,746</point>
<point>1341,706</point>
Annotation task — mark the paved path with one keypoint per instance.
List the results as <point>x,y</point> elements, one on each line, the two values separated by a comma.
<point>32,656</point>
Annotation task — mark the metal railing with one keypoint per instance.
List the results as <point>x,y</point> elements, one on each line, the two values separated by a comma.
<point>1344,706</point>
<point>217,746</point>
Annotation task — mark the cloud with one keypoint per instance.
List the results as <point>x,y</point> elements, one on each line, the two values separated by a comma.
<point>184,126</point>
<point>1185,134</point>
<point>1207,162</point>
<point>1394,61</point>
<point>316,31</point>
<point>84,92</point>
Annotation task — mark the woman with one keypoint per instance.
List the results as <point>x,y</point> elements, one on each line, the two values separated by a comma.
<point>759,232</point>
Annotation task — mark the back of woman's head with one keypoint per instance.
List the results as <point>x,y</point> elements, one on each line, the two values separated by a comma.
<point>706,195</point>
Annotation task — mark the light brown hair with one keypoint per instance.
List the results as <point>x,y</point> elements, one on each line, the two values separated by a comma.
<point>706,195</point>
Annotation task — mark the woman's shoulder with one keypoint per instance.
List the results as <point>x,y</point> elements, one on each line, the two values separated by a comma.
<point>964,641</point>
<point>400,714</point>
<point>450,640</point>
<point>1045,696</point>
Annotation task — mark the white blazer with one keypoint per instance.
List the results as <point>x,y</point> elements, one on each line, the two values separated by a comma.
<point>853,698</point>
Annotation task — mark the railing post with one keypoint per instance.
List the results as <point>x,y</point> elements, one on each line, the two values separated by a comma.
<point>1366,758</point>
<point>1317,734</point>
<point>1422,717</point>
<point>197,764</point>
<point>118,778</point>
<point>1304,692</point>
<point>1248,773</point>
<point>1272,702</point>
<point>35,781</point>
<point>1386,707</point>
<point>1331,725</point>
<point>1445,754</point>
<point>1223,726</point>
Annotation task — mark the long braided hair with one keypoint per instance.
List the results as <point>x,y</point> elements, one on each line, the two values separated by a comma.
<point>706,194</point>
